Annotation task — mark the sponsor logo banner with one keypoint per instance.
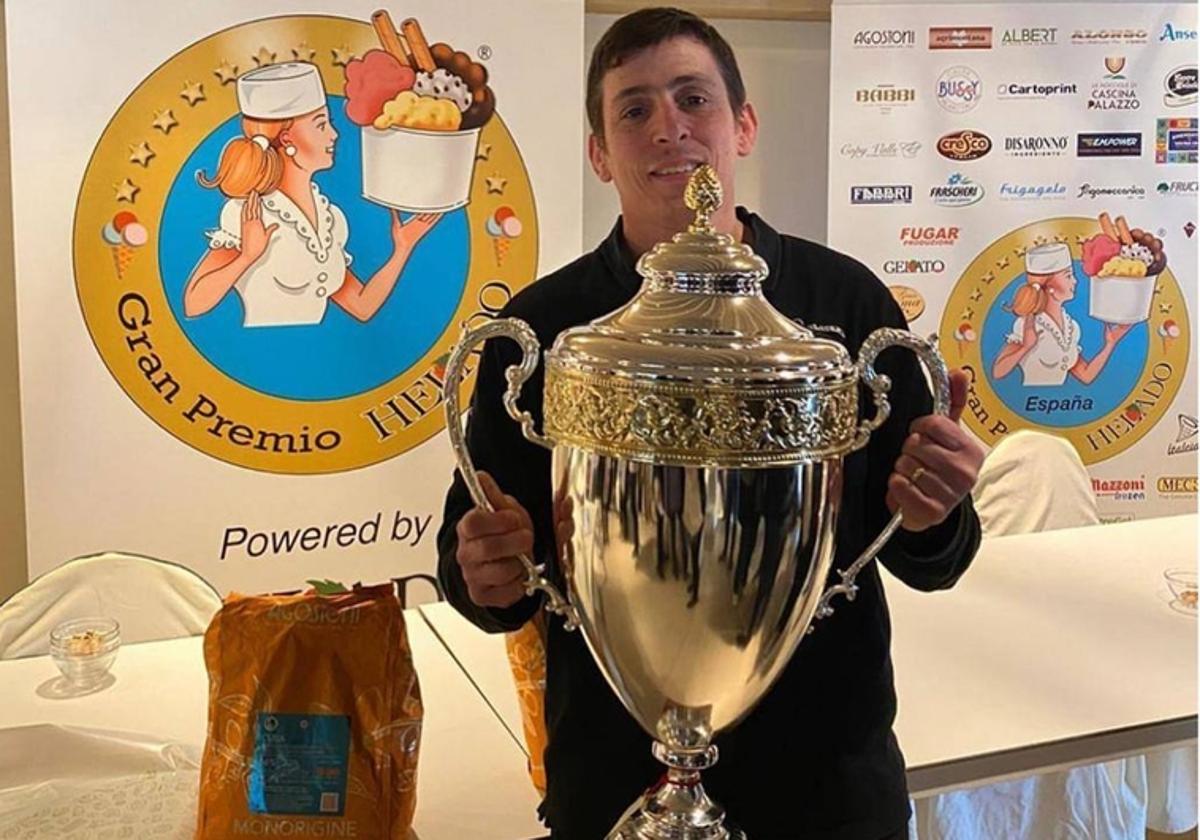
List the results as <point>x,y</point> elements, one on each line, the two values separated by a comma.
<point>960,37</point>
<point>1175,140</point>
<point>1186,439</point>
<point>1109,144</point>
<point>1035,90</point>
<point>914,266</point>
<point>964,145</point>
<point>1038,145</point>
<point>1110,36</point>
<point>885,97</point>
<point>1033,37</point>
<point>1176,485</point>
<point>930,235</point>
<point>1187,189</point>
<point>1171,32</point>
<point>1105,191</point>
<point>958,89</point>
<point>885,150</point>
<point>1180,87</point>
<point>1114,92</point>
<point>1042,141</point>
<point>1032,192</point>
<point>958,191</point>
<point>1120,489</point>
<point>881,194</point>
<point>884,38</point>
<point>910,301</point>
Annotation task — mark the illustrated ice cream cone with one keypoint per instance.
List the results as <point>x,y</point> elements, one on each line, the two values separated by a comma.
<point>122,256</point>
<point>1169,332</point>
<point>501,245</point>
<point>503,226</point>
<point>124,235</point>
<point>964,335</point>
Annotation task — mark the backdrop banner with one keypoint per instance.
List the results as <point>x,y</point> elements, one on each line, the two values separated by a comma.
<point>245,244</point>
<point>1023,177</point>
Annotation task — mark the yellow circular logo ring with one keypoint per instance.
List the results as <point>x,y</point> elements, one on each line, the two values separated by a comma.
<point>365,402</point>
<point>1102,400</point>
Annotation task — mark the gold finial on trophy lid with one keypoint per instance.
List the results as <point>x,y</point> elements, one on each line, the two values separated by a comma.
<point>704,195</point>
<point>701,249</point>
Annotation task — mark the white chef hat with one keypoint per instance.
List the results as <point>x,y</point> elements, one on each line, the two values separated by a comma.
<point>280,91</point>
<point>1047,259</point>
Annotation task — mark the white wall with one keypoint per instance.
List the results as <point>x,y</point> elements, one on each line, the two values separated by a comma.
<point>785,65</point>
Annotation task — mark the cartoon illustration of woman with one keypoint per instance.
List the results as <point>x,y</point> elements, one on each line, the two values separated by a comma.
<point>1044,340</point>
<point>281,243</point>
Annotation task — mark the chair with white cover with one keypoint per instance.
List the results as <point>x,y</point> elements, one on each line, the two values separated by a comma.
<point>1033,481</point>
<point>1030,482</point>
<point>151,599</point>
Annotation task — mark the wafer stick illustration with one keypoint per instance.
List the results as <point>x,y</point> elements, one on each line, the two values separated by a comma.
<point>1106,226</point>
<point>419,46</point>
<point>1123,231</point>
<point>386,30</point>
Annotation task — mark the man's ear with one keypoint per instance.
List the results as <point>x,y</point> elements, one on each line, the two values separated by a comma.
<point>598,157</point>
<point>747,129</point>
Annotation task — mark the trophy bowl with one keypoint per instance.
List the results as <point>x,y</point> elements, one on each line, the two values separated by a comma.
<point>697,440</point>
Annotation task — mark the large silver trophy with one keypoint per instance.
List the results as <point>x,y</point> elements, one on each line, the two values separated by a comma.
<point>697,439</point>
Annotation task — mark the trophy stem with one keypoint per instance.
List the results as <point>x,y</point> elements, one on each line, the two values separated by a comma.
<point>677,807</point>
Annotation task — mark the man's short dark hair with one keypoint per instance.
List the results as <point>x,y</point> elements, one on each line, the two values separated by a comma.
<point>645,28</point>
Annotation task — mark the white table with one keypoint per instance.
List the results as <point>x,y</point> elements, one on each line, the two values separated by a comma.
<point>484,658</point>
<point>472,780</point>
<point>1055,649</point>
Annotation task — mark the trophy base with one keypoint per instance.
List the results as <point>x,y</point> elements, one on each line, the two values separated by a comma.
<point>677,808</point>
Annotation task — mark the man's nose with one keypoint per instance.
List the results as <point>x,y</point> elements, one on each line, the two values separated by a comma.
<point>671,125</point>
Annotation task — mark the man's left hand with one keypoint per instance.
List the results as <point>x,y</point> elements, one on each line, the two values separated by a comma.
<point>938,465</point>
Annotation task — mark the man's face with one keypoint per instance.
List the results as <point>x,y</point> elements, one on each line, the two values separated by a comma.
<point>666,111</point>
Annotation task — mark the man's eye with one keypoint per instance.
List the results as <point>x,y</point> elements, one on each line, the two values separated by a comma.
<point>634,113</point>
<point>695,99</point>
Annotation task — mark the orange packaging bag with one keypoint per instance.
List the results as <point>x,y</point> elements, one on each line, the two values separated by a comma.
<point>314,718</point>
<point>526,650</point>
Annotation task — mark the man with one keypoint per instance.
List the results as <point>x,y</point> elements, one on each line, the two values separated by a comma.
<point>816,758</point>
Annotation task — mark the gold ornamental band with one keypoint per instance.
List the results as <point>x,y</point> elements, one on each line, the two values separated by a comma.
<point>700,424</point>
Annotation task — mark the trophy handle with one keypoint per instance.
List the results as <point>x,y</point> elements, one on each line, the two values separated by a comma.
<point>931,359</point>
<point>523,334</point>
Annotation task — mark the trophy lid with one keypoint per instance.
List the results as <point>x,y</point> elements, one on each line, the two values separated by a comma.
<point>700,249</point>
<point>699,368</point>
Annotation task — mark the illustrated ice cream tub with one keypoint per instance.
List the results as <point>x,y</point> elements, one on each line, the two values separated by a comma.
<point>421,109</point>
<point>1123,267</point>
<point>418,171</point>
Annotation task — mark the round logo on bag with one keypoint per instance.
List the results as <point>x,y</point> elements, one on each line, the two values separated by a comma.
<point>284,229</point>
<point>1074,326</point>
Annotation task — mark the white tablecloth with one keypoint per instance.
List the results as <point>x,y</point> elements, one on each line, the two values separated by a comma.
<point>1055,649</point>
<point>1049,647</point>
<point>472,780</point>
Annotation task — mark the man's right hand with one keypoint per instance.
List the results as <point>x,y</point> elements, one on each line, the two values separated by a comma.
<point>488,542</point>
